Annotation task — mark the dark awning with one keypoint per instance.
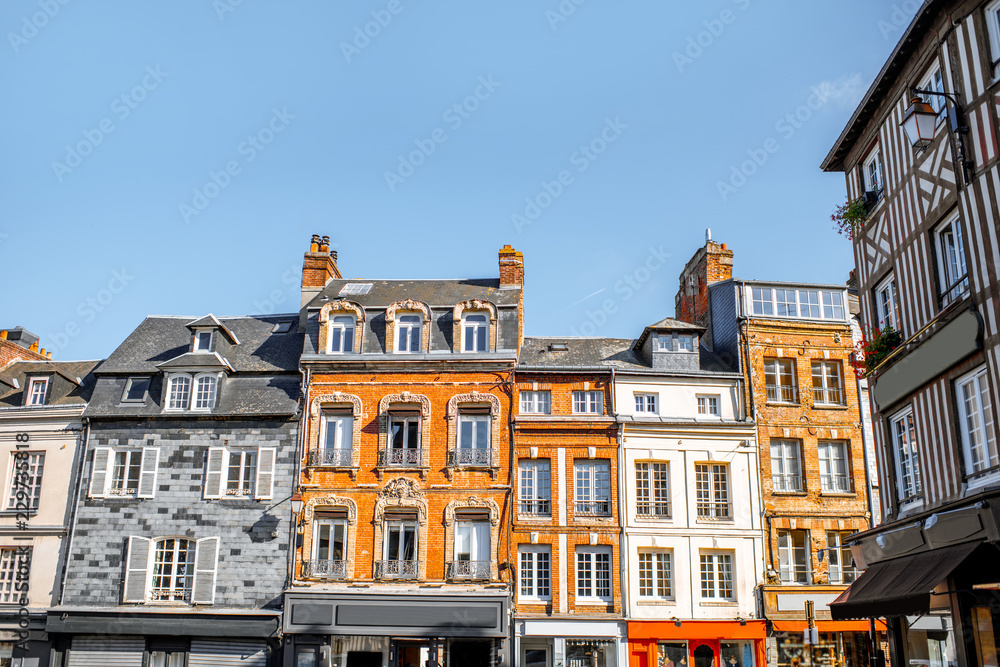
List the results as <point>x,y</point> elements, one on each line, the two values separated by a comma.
<point>901,586</point>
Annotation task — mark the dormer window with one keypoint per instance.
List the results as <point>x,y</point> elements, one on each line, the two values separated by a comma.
<point>181,397</point>
<point>179,392</point>
<point>685,343</point>
<point>135,390</point>
<point>475,333</point>
<point>342,334</point>
<point>37,390</point>
<point>408,333</point>
<point>662,343</point>
<point>203,341</point>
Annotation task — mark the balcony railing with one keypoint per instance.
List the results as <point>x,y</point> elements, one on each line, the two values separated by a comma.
<point>469,570</point>
<point>835,483</point>
<point>595,508</point>
<point>955,291</point>
<point>536,507</point>
<point>470,457</point>
<point>400,457</point>
<point>786,483</point>
<point>331,457</point>
<point>795,573</point>
<point>782,393</point>
<point>656,509</point>
<point>715,511</point>
<point>395,569</point>
<point>828,395</point>
<point>324,569</point>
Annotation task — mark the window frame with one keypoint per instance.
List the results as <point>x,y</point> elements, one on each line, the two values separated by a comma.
<point>790,550</point>
<point>33,488</point>
<point>593,477</point>
<point>957,287</point>
<point>778,375</point>
<point>708,400</point>
<point>716,556</point>
<point>588,398</point>
<point>534,402</point>
<point>537,486</point>
<point>829,481</point>
<point>783,458</point>
<point>985,427</point>
<point>10,593</point>
<point>102,476</point>
<point>477,434</point>
<point>340,433</point>
<point>177,594</point>
<point>403,525</point>
<point>991,15</point>
<point>839,559</point>
<point>480,331</point>
<point>333,522</point>
<point>936,83</point>
<point>761,301</point>
<point>537,583</point>
<point>414,332</point>
<point>196,345</point>
<point>193,389</point>
<point>342,328</point>
<point>32,394</point>
<point>128,387</point>
<point>706,507</point>
<point>479,529</point>
<point>825,377</point>
<point>913,495</point>
<point>591,556</point>
<point>874,183</point>
<point>652,489</point>
<point>888,312</point>
<point>218,466</point>
<point>656,575</point>
<point>646,403</point>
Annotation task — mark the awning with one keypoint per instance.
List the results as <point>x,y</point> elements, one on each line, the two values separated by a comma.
<point>826,626</point>
<point>901,586</point>
<point>751,629</point>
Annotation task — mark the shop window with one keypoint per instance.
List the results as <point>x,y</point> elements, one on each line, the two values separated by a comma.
<point>930,640</point>
<point>736,654</point>
<point>671,654</point>
<point>590,653</point>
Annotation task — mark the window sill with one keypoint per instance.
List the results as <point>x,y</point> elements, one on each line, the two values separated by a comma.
<point>720,603</point>
<point>783,404</point>
<point>593,602</point>
<point>838,494</point>
<point>654,519</point>
<point>656,603</point>
<point>538,601</point>
<point>790,494</point>
<point>14,512</point>
<point>535,517</point>
<point>830,406</point>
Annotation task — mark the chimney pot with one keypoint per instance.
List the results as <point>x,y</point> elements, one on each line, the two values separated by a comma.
<point>314,244</point>
<point>42,352</point>
<point>34,346</point>
<point>723,246</point>
<point>3,335</point>
<point>333,253</point>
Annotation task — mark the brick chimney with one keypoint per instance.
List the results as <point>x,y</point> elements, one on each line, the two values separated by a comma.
<point>319,267</point>
<point>710,264</point>
<point>19,344</point>
<point>511,268</point>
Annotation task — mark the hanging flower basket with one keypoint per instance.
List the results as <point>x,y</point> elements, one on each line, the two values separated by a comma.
<point>850,217</point>
<point>873,348</point>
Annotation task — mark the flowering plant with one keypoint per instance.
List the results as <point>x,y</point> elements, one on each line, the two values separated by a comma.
<point>873,348</point>
<point>850,217</point>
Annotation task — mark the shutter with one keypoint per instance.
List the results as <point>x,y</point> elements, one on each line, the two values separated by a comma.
<point>100,475</point>
<point>136,569</point>
<point>265,472</point>
<point>213,476</point>
<point>206,563</point>
<point>104,652</point>
<point>248,653</point>
<point>147,474</point>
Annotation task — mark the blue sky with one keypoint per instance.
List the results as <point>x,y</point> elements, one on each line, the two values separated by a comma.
<point>175,158</point>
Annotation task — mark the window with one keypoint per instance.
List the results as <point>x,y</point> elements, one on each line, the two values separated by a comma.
<point>400,548</point>
<point>472,559</point>
<point>779,379</point>
<point>652,490</point>
<point>809,304</point>
<point>355,288</point>
<point>204,396</point>
<point>834,476</point>
<point>655,575</point>
<point>762,303</point>
<point>124,472</point>
<point>535,572</point>
<point>841,566</point>
<point>685,343</point>
<point>171,569</point>
<point>404,439</point>
<point>282,327</point>
<point>933,81</point>
<point>474,429</point>
<point>408,333</point>
<point>873,174</point>
<point>593,573</point>
<point>797,303</point>
<point>341,334</point>
<point>135,390</point>
<point>593,488</point>
<point>203,341</point>
<point>975,410</point>
<point>10,559</point>
<point>240,472</point>
<point>536,487</point>
<point>37,388</point>
<point>907,458</point>
<point>663,343</point>
<point>26,481</point>
<point>329,546</point>
<point>708,405</point>
<point>716,575</point>
<point>827,385</point>
<point>887,304</point>
<point>833,305</point>
<point>168,653</point>
<point>954,282</point>
<point>787,306</point>
<point>786,466</point>
<point>793,556</point>
<point>475,332</point>
<point>992,12</point>
<point>712,489</point>
<point>179,394</point>
<point>645,403</point>
<point>336,440</point>
<point>588,402</point>
<point>535,402</point>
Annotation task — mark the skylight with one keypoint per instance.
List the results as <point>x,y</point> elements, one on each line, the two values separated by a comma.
<point>282,327</point>
<point>355,288</point>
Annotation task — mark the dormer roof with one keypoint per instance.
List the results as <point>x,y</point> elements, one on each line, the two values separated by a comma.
<point>211,322</point>
<point>196,361</point>
<point>667,324</point>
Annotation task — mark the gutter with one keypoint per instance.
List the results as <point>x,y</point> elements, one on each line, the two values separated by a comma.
<point>78,486</point>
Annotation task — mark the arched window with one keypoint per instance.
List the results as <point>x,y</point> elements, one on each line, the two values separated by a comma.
<point>179,392</point>
<point>204,395</point>
<point>408,331</point>
<point>475,333</point>
<point>342,334</point>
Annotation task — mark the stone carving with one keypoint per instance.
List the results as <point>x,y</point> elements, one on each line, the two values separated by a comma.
<point>398,488</point>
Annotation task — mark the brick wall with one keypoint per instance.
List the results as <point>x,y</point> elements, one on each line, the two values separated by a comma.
<point>710,264</point>
<point>11,352</point>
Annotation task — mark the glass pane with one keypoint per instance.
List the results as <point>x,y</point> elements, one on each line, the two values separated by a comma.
<point>409,542</point>
<point>323,542</point>
<point>465,433</point>
<point>335,344</point>
<point>482,433</point>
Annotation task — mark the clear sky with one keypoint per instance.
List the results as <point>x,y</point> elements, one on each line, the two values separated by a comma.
<point>175,157</point>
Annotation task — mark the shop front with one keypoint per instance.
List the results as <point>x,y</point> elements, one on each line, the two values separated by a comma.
<point>839,644</point>
<point>386,630</point>
<point>542,643</point>
<point>697,643</point>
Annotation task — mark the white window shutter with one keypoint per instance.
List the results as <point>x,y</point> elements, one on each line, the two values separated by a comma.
<point>99,476</point>
<point>265,472</point>
<point>136,569</point>
<point>206,565</point>
<point>213,475</point>
<point>147,472</point>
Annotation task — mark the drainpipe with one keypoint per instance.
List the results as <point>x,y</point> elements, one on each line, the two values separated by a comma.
<point>296,478</point>
<point>512,632</point>
<point>77,485</point>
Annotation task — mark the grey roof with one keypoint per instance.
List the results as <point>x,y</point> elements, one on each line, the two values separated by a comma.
<point>72,383</point>
<point>196,360</point>
<point>159,338</point>
<point>432,292</point>
<point>671,323</point>
<point>211,321</point>
<point>599,353</point>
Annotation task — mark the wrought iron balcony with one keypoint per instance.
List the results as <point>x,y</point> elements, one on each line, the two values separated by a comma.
<point>536,507</point>
<point>786,483</point>
<point>835,483</point>
<point>469,570</point>
<point>595,508</point>
<point>715,511</point>
<point>659,509</point>
<point>401,458</point>
<point>331,457</point>
<point>395,569</point>
<point>324,569</point>
<point>828,395</point>
<point>470,457</point>
<point>782,393</point>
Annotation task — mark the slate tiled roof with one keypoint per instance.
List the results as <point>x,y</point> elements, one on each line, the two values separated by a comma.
<point>431,292</point>
<point>72,384</point>
<point>617,353</point>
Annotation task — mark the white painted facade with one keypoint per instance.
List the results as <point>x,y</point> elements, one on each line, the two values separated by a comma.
<point>683,440</point>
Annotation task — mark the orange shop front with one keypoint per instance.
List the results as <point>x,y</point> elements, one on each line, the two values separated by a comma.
<point>697,643</point>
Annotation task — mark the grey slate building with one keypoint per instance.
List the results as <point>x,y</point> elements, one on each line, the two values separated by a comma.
<point>179,550</point>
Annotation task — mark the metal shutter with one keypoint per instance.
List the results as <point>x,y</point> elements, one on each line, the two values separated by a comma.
<point>104,652</point>
<point>206,653</point>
